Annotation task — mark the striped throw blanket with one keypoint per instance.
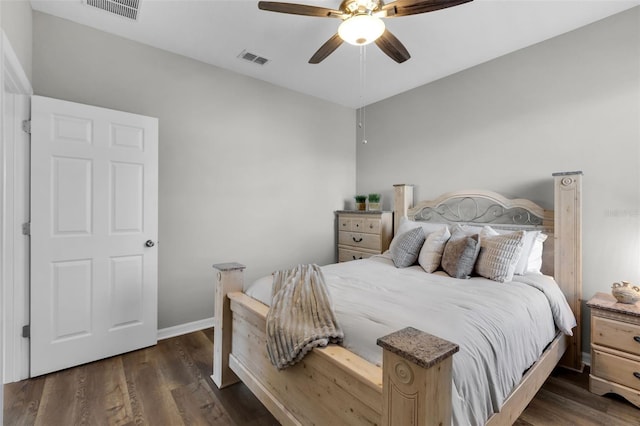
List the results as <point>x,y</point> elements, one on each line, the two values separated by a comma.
<point>300,317</point>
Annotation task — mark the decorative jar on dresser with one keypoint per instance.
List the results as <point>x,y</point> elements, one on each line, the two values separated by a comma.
<point>362,234</point>
<point>615,347</point>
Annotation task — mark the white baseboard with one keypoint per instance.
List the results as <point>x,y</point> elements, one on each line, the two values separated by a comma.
<point>190,327</point>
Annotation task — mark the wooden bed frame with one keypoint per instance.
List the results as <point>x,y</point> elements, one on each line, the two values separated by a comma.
<point>335,386</point>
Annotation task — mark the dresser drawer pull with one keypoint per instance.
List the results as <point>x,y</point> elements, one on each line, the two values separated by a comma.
<point>371,226</point>
<point>359,240</point>
<point>636,374</point>
<point>357,258</point>
<point>636,338</point>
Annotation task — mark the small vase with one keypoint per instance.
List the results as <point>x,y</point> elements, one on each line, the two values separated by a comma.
<point>374,206</point>
<point>361,206</point>
<point>624,293</point>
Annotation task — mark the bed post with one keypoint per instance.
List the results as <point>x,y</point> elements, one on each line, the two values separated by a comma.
<point>403,200</point>
<point>229,278</point>
<point>416,378</point>
<point>568,254</point>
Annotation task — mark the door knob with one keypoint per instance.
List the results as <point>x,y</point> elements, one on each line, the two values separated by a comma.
<point>149,243</point>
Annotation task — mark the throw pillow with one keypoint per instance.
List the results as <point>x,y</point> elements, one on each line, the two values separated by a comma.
<point>460,255</point>
<point>407,248</point>
<point>432,249</point>
<point>499,255</point>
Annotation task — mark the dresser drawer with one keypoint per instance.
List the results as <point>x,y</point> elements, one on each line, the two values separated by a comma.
<point>344,223</point>
<point>350,223</point>
<point>360,240</point>
<point>357,224</point>
<point>372,226</point>
<point>360,224</point>
<point>615,334</point>
<point>346,255</point>
<point>616,369</point>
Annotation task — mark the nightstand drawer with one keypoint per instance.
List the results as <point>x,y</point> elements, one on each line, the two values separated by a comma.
<point>360,240</point>
<point>617,335</point>
<point>616,369</point>
<point>346,255</point>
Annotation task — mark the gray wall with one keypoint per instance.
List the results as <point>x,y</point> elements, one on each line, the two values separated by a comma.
<point>16,23</point>
<point>249,172</point>
<point>569,103</point>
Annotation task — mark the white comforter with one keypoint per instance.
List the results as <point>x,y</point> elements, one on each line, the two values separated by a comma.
<point>501,328</point>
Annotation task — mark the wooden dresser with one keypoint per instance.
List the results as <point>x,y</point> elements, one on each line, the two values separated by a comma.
<point>615,348</point>
<point>362,234</point>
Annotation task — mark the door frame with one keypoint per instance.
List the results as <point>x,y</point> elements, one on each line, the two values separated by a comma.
<point>14,168</point>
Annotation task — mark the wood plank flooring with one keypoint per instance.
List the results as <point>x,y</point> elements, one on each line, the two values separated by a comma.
<point>164,385</point>
<point>169,385</point>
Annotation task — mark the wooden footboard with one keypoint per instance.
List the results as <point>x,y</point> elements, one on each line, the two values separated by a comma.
<point>331,385</point>
<point>335,386</point>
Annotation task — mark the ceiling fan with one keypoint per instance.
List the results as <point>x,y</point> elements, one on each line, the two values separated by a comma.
<point>361,23</point>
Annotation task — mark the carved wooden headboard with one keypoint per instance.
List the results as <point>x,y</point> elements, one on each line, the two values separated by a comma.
<point>562,255</point>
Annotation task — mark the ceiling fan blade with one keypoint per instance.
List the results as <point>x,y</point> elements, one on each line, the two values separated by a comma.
<point>393,48</point>
<point>326,49</point>
<point>299,9</point>
<point>413,7</point>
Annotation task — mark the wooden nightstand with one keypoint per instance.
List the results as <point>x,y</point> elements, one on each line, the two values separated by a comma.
<point>615,348</point>
<point>362,234</point>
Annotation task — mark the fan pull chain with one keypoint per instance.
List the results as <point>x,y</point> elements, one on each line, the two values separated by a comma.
<point>363,76</point>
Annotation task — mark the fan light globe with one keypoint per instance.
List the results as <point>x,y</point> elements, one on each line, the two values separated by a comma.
<point>361,29</point>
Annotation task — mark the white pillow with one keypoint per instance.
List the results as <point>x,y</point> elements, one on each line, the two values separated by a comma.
<point>527,245</point>
<point>432,249</point>
<point>471,229</point>
<point>534,260</point>
<point>408,225</point>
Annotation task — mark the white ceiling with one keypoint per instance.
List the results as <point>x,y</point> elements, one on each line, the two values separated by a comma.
<point>441,43</point>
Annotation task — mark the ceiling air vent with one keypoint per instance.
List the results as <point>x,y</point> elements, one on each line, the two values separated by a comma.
<point>126,8</point>
<point>252,57</point>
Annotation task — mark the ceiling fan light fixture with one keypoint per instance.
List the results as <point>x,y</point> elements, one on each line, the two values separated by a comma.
<point>361,29</point>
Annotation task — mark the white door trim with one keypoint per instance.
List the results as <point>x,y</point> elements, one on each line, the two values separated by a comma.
<point>14,285</point>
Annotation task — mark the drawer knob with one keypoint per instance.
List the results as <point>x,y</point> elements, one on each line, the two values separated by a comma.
<point>371,226</point>
<point>636,374</point>
<point>636,338</point>
<point>357,258</point>
<point>359,240</point>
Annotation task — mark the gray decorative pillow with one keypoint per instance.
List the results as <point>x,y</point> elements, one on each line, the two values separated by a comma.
<point>407,248</point>
<point>499,256</point>
<point>460,255</point>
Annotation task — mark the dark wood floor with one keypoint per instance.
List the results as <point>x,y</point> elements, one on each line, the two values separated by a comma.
<point>169,385</point>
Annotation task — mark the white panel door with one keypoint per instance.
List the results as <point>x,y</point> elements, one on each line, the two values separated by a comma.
<point>94,224</point>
